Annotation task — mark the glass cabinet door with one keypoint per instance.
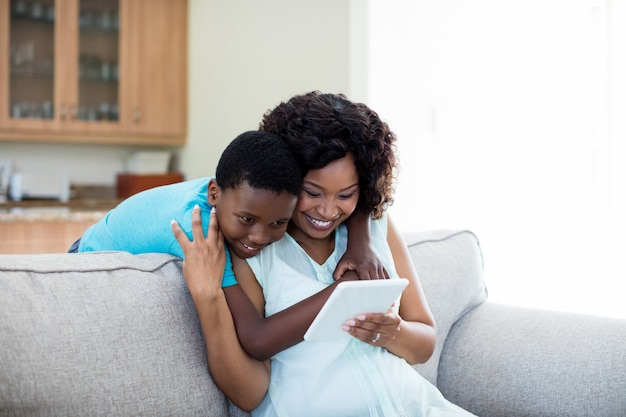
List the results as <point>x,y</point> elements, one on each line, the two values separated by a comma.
<point>31,59</point>
<point>98,61</point>
<point>93,71</point>
<point>63,63</point>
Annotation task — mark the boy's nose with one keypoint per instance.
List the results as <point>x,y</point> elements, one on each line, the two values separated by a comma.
<point>259,235</point>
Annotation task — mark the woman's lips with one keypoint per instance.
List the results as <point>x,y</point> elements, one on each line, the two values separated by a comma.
<point>320,224</point>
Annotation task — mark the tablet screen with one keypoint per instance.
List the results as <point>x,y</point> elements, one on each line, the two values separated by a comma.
<point>350,299</point>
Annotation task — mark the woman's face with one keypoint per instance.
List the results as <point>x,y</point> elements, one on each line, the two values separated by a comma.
<point>329,196</point>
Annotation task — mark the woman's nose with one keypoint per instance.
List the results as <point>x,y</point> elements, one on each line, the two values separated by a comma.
<point>327,210</point>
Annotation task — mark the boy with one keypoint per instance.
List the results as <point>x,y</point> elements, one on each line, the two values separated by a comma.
<point>254,192</point>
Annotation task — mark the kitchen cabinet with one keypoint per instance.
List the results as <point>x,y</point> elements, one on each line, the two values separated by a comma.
<point>46,236</point>
<point>44,229</point>
<point>94,71</point>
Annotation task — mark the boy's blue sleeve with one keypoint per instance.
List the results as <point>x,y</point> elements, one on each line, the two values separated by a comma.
<point>228,279</point>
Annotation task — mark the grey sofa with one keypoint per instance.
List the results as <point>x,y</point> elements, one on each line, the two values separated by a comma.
<point>105,334</point>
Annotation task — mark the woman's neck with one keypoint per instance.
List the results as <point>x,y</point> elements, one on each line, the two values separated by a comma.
<point>318,249</point>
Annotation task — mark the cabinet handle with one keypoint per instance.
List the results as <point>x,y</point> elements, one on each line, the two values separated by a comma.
<point>137,116</point>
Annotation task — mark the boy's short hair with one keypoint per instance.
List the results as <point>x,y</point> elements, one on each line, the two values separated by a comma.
<point>263,160</point>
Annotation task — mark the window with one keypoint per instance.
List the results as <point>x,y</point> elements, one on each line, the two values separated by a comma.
<point>506,127</point>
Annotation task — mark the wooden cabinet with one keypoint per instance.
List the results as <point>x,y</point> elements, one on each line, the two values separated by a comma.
<point>94,71</point>
<point>41,229</point>
<point>46,236</point>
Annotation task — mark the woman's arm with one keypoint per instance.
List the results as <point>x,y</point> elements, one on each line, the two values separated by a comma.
<point>410,333</point>
<point>243,379</point>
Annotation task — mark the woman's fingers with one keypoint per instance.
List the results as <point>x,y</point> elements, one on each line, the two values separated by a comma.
<point>374,328</point>
<point>180,236</point>
<point>214,235</point>
<point>196,224</point>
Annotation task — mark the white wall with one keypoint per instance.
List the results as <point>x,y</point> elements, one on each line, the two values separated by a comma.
<point>247,56</point>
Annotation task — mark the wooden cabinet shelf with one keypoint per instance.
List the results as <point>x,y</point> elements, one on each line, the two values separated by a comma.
<point>94,71</point>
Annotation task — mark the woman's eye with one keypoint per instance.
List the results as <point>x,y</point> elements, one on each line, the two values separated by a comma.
<point>311,193</point>
<point>346,196</point>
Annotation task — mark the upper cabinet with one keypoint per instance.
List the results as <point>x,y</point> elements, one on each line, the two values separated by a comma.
<point>94,71</point>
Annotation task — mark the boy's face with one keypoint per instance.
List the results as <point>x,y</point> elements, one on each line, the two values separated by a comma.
<point>250,218</point>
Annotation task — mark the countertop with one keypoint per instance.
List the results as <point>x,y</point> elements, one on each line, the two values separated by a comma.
<point>50,210</point>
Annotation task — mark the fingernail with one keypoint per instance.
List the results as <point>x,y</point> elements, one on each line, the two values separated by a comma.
<point>350,322</point>
<point>360,317</point>
<point>345,328</point>
<point>212,209</point>
<point>173,222</point>
<point>196,207</point>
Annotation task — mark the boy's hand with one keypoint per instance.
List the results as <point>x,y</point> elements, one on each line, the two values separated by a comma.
<point>205,258</point>
<point>361,259</point>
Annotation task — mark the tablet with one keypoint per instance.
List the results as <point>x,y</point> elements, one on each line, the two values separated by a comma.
<point>350,299</point>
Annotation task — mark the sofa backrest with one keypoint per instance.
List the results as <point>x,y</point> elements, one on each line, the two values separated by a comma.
<point>99,335</point>
<point>117,334</point>
<point>449,264</point>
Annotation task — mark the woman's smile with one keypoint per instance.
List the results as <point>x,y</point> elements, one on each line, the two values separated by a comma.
<point>329,196</point>
<point>320,224</point>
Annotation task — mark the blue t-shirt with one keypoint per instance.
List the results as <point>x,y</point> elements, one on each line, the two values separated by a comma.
<point>142,222</point>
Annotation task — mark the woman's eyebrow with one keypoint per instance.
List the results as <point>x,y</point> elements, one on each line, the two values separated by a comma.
<point>356,184</point>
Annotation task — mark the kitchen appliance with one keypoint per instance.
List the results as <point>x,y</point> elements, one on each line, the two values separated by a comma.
<point>39,186</point>
<point>5,175</point>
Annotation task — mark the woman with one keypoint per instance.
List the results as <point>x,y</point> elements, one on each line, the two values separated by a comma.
<point>349,154</point>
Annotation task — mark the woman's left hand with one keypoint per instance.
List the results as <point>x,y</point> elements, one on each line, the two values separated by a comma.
<point>377,329</point>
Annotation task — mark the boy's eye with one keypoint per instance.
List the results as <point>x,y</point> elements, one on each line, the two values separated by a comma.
<point>280,223</point>
<point>247,219</point>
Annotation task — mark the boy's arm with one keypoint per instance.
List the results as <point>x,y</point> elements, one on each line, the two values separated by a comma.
<point>359,255</point>
<point>263,337</point>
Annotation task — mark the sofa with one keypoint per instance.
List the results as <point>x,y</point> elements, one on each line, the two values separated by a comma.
<point>114,334</point>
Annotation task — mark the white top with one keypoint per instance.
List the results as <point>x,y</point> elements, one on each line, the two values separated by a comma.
<point>343,377</point>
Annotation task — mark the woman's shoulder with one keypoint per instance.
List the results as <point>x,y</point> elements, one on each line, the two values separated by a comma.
<point>378,227</point>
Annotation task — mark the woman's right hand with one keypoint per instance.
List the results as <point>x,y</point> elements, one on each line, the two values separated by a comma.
<point>205,258</point>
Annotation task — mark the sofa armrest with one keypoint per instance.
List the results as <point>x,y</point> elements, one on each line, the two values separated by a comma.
<point>509,361</point>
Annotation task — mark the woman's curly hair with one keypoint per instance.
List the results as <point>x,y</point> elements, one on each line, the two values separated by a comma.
<point>325,127</point>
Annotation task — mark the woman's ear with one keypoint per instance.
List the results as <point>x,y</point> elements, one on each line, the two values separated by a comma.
<point>213,193</point>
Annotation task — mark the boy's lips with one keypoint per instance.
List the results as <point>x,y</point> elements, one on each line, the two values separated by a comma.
<point>251,250</point>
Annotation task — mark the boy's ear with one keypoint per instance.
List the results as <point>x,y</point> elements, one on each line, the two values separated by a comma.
<point>213,193</point>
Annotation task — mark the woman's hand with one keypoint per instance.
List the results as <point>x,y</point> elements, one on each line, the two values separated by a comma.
<point>205,258</point>
<point>377,329</point>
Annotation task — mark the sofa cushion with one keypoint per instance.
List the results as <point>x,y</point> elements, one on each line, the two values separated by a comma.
<point>450,267</point>
<point>504,360</point>
<point>98,334</point>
